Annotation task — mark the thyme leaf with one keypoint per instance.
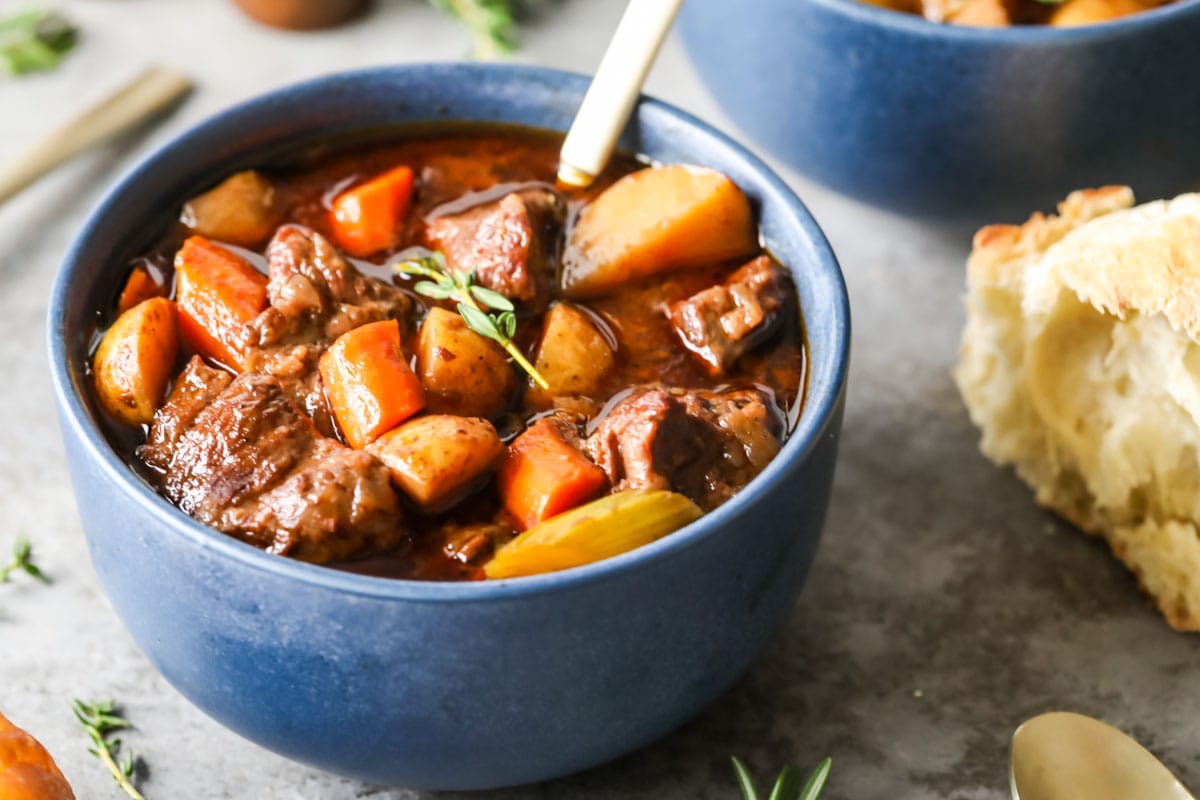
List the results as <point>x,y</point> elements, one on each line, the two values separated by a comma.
<point>34,41</point>
<point>99,719</point>
<point>491,23</point>
<point>22,561</point>
<point>486,312</point>
<point>787,784</point>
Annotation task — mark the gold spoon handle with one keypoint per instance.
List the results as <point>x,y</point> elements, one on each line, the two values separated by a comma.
<point>615,89</point>
<point>150,93</point>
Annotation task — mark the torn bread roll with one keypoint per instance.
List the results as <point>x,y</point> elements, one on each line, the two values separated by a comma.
<point>1080,363</point>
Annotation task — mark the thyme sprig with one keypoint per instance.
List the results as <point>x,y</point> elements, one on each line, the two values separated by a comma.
<point>787,785</point>
<point>99,719</point>
<point>491,23</point>
<point>22,561</point>
<point>486,312</point>
<point>33,41</point>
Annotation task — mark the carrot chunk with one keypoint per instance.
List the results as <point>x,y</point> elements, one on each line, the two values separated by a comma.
<point>217,293</point>
<point>371,388</point>
<point>27,770</point>
<point>367,217</point>
<point>543,475</point>
<point>139,286</point>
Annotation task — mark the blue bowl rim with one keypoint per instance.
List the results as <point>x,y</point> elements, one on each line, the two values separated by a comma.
<point>815,419</point>
<point>1016,35</point>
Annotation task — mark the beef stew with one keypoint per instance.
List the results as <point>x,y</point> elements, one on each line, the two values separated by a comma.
<point>401,357</point>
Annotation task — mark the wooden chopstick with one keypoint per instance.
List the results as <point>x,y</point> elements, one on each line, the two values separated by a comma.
<point>151,93</point>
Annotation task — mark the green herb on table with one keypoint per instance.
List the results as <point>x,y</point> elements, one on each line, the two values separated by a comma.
<point>787,785</point>
<point>22,561</point>
<point>33,41</point>
<point>98,721</point>
<point>488,313</point>
<point>492,23</point>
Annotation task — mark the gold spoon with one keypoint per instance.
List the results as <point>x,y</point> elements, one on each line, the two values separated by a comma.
<point>614,89</point>
<point>1065,756</point>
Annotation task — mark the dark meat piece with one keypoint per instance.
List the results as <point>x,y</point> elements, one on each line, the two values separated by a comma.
<point>722,322</point>
<point>195,388</point>
<point>750,416</point>
<point>505,242</point>
<point>252,465</point>
<point>315,296</point>
<point>706,445</point>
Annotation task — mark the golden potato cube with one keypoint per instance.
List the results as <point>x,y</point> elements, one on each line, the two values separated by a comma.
<point>574,356</point>
<point>133,363</point>
<point>462,372</point>
<point>438,459</point>
<point>654,220</point>
<point>240,210</point>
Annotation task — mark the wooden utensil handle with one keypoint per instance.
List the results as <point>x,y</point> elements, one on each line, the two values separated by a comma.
<point>150,93</point>
<point>615,89</point>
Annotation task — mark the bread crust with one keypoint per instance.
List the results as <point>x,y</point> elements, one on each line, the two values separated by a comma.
<point>1076,366</point>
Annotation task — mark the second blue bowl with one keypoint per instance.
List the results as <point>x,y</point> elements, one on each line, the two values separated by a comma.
<point>951,123</point>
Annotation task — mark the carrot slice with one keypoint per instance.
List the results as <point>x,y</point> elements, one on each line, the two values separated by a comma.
<point>218,293</point>
<point>371,388</point>
<point>543,475</point>
<point>27,770</point>
<point>138,287</point>
<point>367,217</point>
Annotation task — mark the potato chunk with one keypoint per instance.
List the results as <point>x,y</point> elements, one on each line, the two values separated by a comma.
<point>240,210</point>
<point>133,363</point>
<point>574,356</point>
<point>437,460</point>
<point>463,373</point>
<point>654,220</point>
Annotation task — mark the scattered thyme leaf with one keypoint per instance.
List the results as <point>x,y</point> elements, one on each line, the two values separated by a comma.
<point>22,561</point>
<point>472,301</point>
<point>99,719</point>
<point>787,784</point>
<point>744,779</point>
<point>491,23</point>
<point>34,41</point>
<point>816,781</point>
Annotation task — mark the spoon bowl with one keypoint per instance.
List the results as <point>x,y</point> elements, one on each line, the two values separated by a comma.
<point>1066,756</point>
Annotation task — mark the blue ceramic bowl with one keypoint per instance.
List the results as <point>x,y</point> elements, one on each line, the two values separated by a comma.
<point>952,123</point>
<point>442,685</point>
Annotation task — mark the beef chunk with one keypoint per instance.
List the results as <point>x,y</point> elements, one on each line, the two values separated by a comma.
<point>750,416</point>
<point>722,322</point>
<point>315,296</point>
<point>505,242</point>
<point>249,463</point>
<point>195,388</point>
<point>706,445</point>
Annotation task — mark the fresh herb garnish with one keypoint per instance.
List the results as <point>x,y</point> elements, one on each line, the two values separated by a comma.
<point>22,561</point>
<point>32,41</point>
<point>491,23</point>
<point>488,313</point>
<point>787,785</point>
<point>99,720</point>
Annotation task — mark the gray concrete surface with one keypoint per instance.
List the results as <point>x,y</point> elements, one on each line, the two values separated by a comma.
<point>942,610</point>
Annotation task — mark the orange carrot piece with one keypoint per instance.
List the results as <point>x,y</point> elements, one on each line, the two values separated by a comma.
<point>371,388</point>
<point>27,770</point>
<point>217,293</point>
<point>543,475</point>
<point>367,217</point>
<point>138,287</point>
